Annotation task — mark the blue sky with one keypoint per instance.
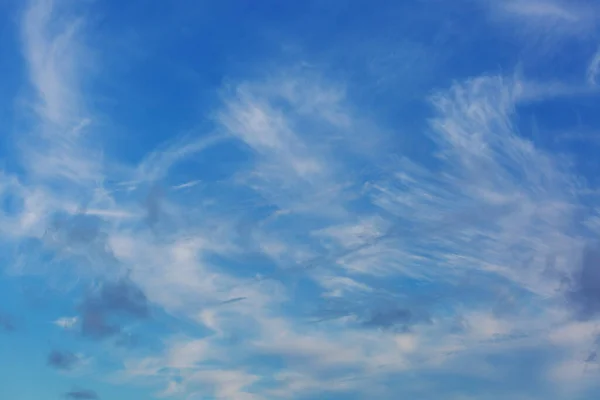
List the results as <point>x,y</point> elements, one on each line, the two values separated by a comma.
<point>300,200</point>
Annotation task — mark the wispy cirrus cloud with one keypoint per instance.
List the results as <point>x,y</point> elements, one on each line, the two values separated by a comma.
<point>571,17</point>
<point>501,209</point>
<point>546,26</point>
<point>56,56</point>
<point>325,261</point>
<point>543,9</point>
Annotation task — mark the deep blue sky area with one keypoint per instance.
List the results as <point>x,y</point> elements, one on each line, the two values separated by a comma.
<point>258,200</point>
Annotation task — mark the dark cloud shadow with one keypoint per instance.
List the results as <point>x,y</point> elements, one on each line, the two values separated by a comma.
<point>62,360</point>
<point>105,308</point>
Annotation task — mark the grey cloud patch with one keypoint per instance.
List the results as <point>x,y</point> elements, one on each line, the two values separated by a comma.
<point>128,340</point>
<point>81,394</point>
<point>79,238</point>
<point>585,291</point>
<point>592,357</point>
<point>388,318</point>
<point>394,318</point>
<point>380,316</point>
<point>112,302</point>
<point>94,325</point>
<point>63,360</point>
<point>80,228</point>
<point>153,205</point>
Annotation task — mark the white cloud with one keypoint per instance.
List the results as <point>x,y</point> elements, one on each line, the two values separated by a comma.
<point>500,202</point>
<point>267,131</point>
<point>52,51</point>
<point>187,185</point>
<point>156,165</point>
<point>291,383</point>
<point>298,129</point>
<point>66,322</point>
<point>407,342</point>
<point>227,384</point>
<point>574,334</point>
<point>26,208</point>
<point>187,354</point>
<point>339,286</point>
<point>594,69</point>
<point>486,326</point>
